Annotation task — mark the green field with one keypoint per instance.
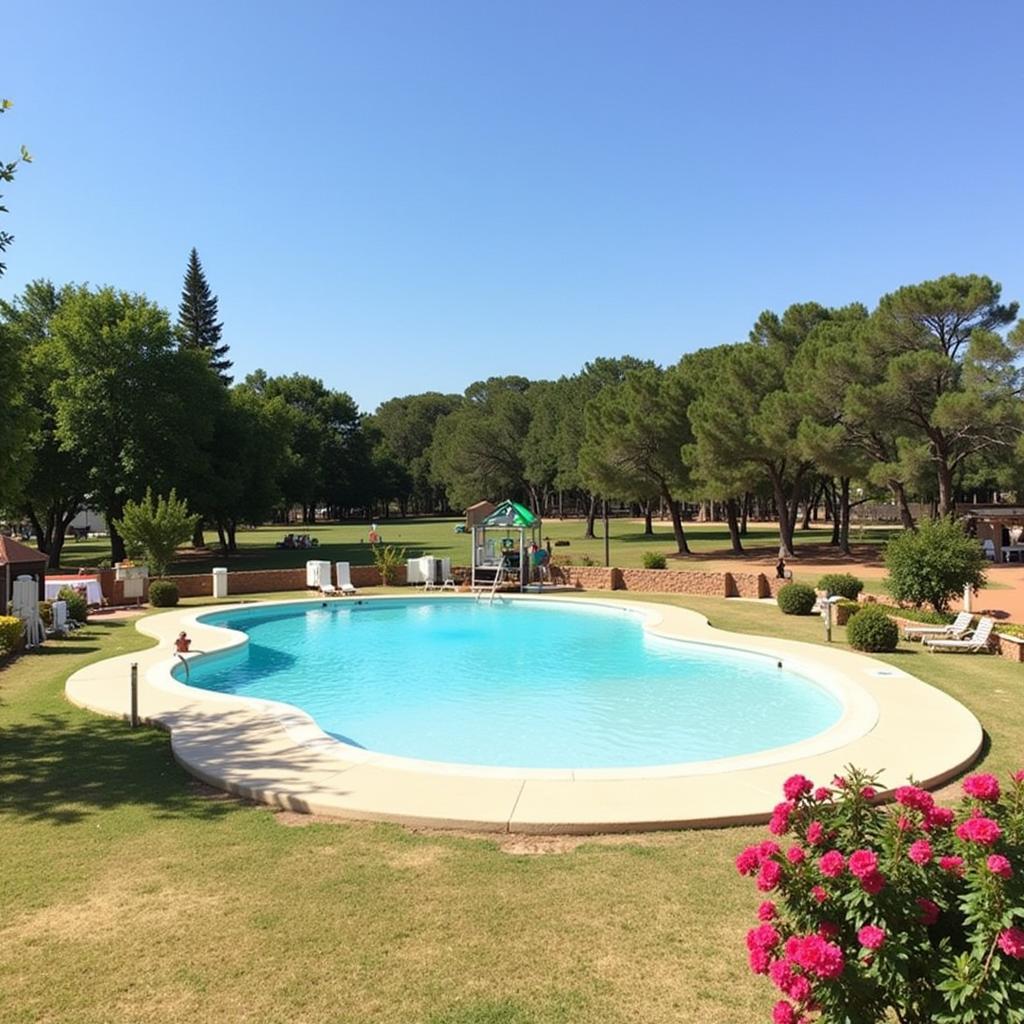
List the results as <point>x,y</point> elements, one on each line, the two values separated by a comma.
<point>132,894</point>
<point>348,542</point>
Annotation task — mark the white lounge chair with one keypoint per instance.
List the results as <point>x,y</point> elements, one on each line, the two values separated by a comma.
<point>328,590</point>
<point>344,578</point>
<point>977,641</point>
<point>954,631</point>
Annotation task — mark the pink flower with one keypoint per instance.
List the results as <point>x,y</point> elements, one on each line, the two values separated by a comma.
<point>767,911</point>
<point>1018,776</point>
<point>818,893</point>
<point>832,864</point>
<point>783,1013</point>
<point>762,937</point>
<point>769,875</point>
<point>822,793</point>
<point>1011,942</point>
<point>797,786</point>
<point>828,929</point>
<point>759,960</point>
<point>954,864</point>
<point>779,823</point>
<point>920,852</point>
<point>815,831</point>
<point>799,989</point>
<point>863,862</point>
<point>915,798</point>
<point>999,865</point>
<point>938,817</point>
<point>748,861</point>
<point>979,830</point>
<point>839,782</point>
<point>929,911</point>
<point>781,974</point>
<point>904,824</point>
<point>873,883</point>
<point>768,849</point>
<point>869,792</point>
<point>982,787</point>
<point>816,955</point>
<point>796,855</point>
<point>871,936</point>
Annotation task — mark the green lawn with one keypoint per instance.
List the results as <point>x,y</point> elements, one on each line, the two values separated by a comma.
<point>131,894</point>
<point>438,537</point>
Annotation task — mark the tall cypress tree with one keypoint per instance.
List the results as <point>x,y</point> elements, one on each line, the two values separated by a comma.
<point>197,319</point>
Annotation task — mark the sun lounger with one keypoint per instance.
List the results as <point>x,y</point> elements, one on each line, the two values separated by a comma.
<point>328,590</point>
<point>954,631</point>
<point>344,578</point>
<point>977,641</point>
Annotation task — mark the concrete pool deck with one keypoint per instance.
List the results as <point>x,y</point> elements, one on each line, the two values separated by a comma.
<point>276,754</point>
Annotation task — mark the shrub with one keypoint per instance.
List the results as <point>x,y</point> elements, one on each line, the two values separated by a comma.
<point>797,599</point>
<point>156,526</point>
<point>388,559</point>
<point>46,612</point>
<point>841,584</point>
<point>163,594</point>
<point>872,630</point>
<point>78,608</point>
<point>10,633</point>
<point>934,564</point>
<point>654,560</point>
<point>910,912</point>
<point>587,560</point>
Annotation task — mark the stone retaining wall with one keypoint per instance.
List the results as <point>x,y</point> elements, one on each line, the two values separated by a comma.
<point>664,581</point>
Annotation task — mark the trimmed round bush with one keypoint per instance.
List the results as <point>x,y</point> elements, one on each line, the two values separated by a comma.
<point>78,608</point>
<point>872,630</point>
<point>46,613</point>
<point>797,599</point>
<point>654,560</point>
<point>841,584</point>
<point>10,633</point>
<point>163,594</point>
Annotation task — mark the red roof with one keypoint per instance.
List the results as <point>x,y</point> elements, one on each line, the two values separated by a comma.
<point>13,553</point>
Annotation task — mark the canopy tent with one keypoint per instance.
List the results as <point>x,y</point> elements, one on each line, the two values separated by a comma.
<point>18,560</point>
<point>500,543</point>
<point>1000,530</point>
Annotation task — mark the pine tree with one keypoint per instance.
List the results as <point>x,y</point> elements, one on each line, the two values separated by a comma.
<point>197,319</point>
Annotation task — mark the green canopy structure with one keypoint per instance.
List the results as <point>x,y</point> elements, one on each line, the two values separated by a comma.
<point>500,543</point>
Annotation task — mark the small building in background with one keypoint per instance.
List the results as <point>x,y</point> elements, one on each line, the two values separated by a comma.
<point>18,560</point>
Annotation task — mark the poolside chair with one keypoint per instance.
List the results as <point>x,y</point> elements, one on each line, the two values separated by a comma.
<point>344,578</point>
<point>977,641</point>
<point>328,590</point>
<point>954,631</point>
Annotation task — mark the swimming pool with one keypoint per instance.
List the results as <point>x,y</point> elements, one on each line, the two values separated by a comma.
<point>534,685</point>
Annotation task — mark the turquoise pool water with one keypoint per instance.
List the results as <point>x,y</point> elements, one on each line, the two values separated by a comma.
<point>516,684</point>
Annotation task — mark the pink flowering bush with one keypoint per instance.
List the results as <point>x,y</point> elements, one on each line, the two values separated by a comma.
<point>907,911</point>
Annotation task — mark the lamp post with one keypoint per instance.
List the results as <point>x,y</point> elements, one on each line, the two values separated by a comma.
<point>607,557</point>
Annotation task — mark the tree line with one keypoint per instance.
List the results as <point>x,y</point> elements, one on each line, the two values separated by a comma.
<point>106,397</point>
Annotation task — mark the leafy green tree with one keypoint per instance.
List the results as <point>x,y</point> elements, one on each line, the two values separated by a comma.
<point>136,410</point>
<point>7,173</point>
<point>157,527</point>
<point>477,450</point>
<point>933,564</point>
<point>55,487</point>
<point>327,453</point>
<point>947,374</point>
<point>406,428</point>
<point>748,417</point>
<point>198,326</point>
<point>635,432</point>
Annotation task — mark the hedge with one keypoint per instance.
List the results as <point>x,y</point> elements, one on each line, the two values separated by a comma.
<point>872,630</point>
<point>797,599</point>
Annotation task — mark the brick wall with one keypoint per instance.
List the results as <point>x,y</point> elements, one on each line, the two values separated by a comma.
<point>664,581</point>
<point>587,577</point>
<point>674,581</point>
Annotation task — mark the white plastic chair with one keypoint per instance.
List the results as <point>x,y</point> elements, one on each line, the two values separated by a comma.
<point>974,644</point>
<point>344,578</point>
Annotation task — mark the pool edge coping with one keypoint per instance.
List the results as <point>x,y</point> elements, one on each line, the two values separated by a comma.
<point>275,753</point>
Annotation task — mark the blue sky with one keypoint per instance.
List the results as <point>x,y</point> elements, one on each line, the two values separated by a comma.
<point>409,196</point>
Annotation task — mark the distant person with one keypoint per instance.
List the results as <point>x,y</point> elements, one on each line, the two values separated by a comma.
<point>182,644</point>
<point>780,569</point>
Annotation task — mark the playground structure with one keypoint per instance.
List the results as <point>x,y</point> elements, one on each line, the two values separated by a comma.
<point>501,546</point>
